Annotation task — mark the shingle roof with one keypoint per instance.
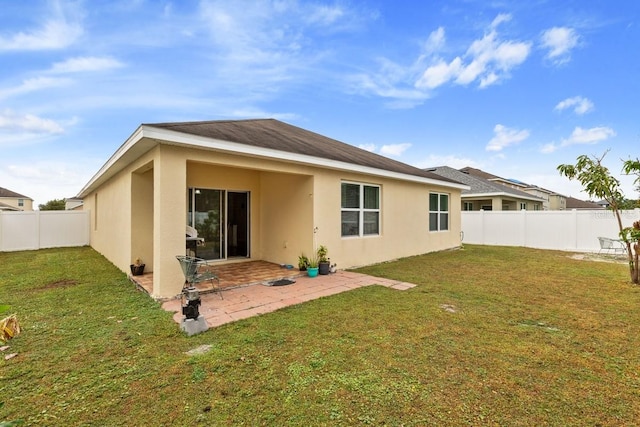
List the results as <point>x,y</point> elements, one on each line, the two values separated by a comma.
<point>573,203</point>
<point>6,207</point>
<point>479,185</point>
<point>277,135</point>
<point>8,193</point>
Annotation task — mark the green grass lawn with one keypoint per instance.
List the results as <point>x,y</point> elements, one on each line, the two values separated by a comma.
<point>490,336</point>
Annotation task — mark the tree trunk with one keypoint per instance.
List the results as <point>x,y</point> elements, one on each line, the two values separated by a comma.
<point>632,255</point>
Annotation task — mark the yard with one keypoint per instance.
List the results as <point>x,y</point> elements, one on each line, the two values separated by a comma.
<point>490,336</point>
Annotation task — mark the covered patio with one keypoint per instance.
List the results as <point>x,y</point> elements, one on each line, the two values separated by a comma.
<point>231,275</point>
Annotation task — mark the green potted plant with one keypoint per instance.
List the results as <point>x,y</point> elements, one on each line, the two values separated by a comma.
<point>137,268</point>
<point>323,262</point>
<point>303,262</point>
<point>312,266</point>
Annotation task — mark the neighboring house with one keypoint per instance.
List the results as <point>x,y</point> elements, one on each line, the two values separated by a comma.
<point>551,199</point>
<point>73,204</point>
<point>261,190</point>
<point>573,203</point>
<point>12,201</point>
<point>488,195</point>
<point>602,203</point>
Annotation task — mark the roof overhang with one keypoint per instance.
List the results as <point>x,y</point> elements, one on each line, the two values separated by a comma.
<point>147,137</point>
<point>502,195</point>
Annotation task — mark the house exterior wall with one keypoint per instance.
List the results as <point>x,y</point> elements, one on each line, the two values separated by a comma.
<point>142,212</point>
<point>111,217</point>
<point>27,204</point>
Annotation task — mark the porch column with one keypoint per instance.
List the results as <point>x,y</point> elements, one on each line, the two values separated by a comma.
<point>169,220</point>
<point>496,203</point>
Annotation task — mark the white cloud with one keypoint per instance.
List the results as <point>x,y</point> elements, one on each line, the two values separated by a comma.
<point>388,86</point>
<point>28,123</point>
<point>436,41</point>
<point>579,104</point>
<point>54,34</point>
<point>549,148</point>
<point>505,137</point>
<point>35,84</point>
<point>487,60</point>
<point>324,15</point>
<point>589,136</point>
<point>368,147</point>
<point>394,149</point>
<point>46,180</point>
<point>581,136</point>
<point>86,63</point>
<point>559,41</point>
<point>439,74</point>
<point>262,43</point>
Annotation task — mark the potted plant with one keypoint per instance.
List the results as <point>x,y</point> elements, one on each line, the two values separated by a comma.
<point>303,262</point>
<point>323,262</point>
<point>312,266</point>
<point>137,268</point>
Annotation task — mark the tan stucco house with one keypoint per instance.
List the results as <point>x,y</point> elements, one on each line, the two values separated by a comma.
<point>12,201</point>
<point>550,199</point>
<point>261,190</point>
<point>488,195</point>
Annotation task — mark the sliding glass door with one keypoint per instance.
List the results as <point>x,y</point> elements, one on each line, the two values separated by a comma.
<point>222,220</point>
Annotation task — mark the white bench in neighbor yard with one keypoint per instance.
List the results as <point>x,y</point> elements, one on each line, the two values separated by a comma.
<point>615,245</point>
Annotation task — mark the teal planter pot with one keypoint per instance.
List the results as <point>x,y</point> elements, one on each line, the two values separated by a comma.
<point>312,272</point>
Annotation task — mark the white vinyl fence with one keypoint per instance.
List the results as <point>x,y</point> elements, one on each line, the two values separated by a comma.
<point>574,230</point>
<point>43,229</point>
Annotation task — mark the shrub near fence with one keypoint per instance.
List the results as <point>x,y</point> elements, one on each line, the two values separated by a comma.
<point>574,230</point>
<point>43,229</point>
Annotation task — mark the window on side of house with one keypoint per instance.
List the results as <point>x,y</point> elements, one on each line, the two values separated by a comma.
<point>438,212</point>
<point>20,202</point>
<point>523,206</point>
<point>360,209</point>
<point>467,206</point>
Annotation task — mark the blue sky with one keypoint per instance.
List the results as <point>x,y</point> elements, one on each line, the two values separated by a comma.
<point>514,88</point>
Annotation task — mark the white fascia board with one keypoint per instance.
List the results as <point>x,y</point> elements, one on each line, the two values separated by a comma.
<point>180,138</point>
<point>511,196</point>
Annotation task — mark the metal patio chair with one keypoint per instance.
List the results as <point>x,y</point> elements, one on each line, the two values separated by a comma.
<point>608,245</point>
<point>198,270</point>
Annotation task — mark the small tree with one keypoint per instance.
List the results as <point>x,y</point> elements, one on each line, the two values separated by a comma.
<point>53,205</point>
<point>599,183</point>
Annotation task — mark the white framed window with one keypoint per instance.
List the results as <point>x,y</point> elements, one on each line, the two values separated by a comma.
<point>360,209</point>
<point>467,206</point>
<point>523,206</point>
<point>438,212</point>
<point>20,202</point>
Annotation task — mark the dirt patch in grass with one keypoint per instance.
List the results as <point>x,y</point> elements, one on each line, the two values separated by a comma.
<point>64,283</point>
<point>619,259</point>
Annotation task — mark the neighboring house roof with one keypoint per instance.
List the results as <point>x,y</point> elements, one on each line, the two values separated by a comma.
<point>266,138</point>
<point>481,187</point>
<point>72,203</point>
<point>5,207</point>
<point>12,194</point>
<point>507,181</point>
<point>573,203</point>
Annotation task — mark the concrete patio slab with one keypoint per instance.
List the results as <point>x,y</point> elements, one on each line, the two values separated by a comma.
<point>243,302</point>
